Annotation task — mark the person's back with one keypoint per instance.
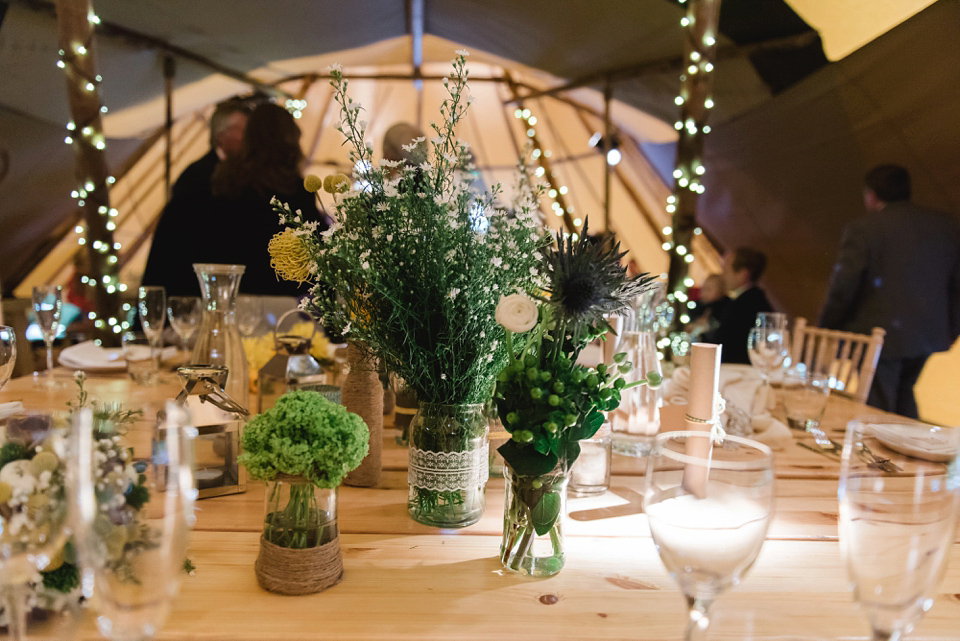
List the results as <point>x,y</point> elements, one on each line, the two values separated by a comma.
<point>911,260</point>
<point>898,268</point>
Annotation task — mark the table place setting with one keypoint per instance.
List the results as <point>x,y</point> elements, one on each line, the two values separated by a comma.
<point>746,411</point>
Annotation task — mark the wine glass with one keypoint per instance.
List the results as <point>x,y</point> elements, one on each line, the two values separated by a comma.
<point>152,307</point>
<point>896,529</point>
<point>47,305</point>
<point>709,506</point>
<point>767,347</point>
<point>772,320</point>
<point>34,506</point>
<point>184,314</point>
<point>249,315</point>
<point>134,551</point>
<point>8,353</point>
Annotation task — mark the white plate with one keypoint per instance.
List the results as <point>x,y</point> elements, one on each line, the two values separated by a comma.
<point>927,442</point>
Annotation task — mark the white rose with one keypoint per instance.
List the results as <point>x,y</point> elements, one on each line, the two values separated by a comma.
<point>517,313</point>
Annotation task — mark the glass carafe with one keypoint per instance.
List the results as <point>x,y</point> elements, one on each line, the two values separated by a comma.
<point>218,341</point>
<point>637,420</point>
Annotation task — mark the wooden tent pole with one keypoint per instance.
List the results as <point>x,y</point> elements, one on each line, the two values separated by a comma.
<point>607,146</point>
<point>696,82</point>
<point>75,27</point>
<point>169,71</point>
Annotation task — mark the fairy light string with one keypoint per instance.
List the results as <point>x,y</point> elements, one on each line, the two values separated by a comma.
<point>76,24</point>
<point>541,157</point>
<point>699,25</point>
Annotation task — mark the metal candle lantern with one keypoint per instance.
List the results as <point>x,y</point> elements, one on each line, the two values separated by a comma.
<point>218,419</point>
<point>292,367</point>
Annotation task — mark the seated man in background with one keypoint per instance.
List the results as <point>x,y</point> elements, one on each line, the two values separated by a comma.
<point>742,269</point>
<point>710,307</point>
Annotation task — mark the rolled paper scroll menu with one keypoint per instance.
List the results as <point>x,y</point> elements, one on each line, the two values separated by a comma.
<point>702,403</point>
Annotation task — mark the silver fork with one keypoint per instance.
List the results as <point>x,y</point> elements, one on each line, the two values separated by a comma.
<point>823,441</point>
<point>884,464</point>
<point>829,445</point>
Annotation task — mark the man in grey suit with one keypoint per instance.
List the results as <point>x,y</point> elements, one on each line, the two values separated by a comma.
<point>898,268</point>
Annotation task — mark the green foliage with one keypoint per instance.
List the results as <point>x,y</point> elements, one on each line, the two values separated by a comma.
<point>549,402</point>
<point>13,451</point>
<point>138,495</point>
<point>306,435</point>
<point>188,565</point>
<point>545,512</point>
<point>64,579</point>
<point>414,274</point>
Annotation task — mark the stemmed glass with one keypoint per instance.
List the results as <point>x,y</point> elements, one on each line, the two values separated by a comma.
<point>152,306</point>
<point>249,315</point>
<point>8,353</point>
<point>896,529</point>
<point>184,314</point>
<point>134,552</point>
<point>772,320</point>
<point>709,506</point>
<point>47,305</point>
<point>36,507</point>
<point>767,347</point>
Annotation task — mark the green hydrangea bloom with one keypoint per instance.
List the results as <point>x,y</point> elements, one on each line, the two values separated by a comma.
<point>306,435</point>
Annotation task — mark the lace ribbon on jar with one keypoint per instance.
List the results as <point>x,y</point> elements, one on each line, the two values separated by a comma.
<point>446,471</point>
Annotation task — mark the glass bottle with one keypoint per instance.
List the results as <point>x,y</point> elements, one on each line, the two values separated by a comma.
<point>218,341</point>
<point>637,420</point>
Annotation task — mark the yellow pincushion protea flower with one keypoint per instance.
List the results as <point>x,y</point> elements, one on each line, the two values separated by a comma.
<point>313,183</point>
<point>336,183</point>
<point>289,257</point>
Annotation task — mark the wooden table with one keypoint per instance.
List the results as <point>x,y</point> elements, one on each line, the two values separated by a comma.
<point>407,581</point>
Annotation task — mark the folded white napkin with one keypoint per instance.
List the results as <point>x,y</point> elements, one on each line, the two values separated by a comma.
<point>89,355</point>
<point>741,387</point>
<point>11,408</point>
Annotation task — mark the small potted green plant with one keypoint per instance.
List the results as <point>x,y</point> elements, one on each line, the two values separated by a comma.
<point>302,448</point>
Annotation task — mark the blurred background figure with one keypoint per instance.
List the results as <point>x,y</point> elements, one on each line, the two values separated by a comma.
<point>241,219</point>
<point>181,229</point>
<point>742,269</point>
<point>711,306</point>
<point>898,268</point>
<point>398,135</point>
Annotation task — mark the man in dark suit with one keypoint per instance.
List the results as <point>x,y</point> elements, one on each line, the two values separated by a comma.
<point>742,269</point>
<point>898,268</point>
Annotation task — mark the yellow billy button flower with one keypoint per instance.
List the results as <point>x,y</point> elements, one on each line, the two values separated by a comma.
<point>336,183</point>
<point>289,257</point>
<point>312,183</point>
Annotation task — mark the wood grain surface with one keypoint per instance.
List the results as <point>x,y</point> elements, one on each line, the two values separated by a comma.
<point>407,581</point>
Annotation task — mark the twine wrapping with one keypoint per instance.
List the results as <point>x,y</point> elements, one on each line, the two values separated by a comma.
<point>715,422</point>
<point>303,571</point>
<point>362,394</point>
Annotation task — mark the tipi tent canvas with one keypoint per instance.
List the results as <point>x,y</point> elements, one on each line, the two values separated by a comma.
<point>806,98</point>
